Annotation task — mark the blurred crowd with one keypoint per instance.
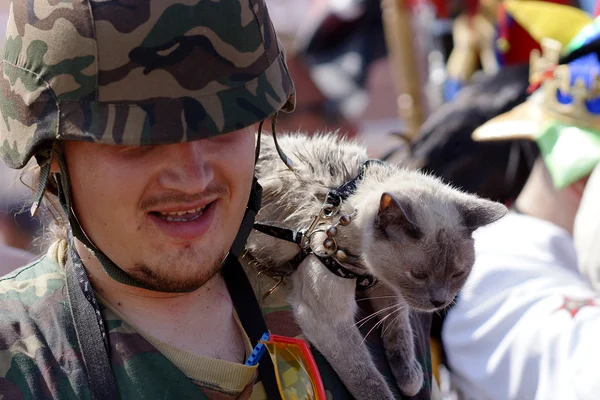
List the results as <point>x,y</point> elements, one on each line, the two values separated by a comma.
<point>501,99</point>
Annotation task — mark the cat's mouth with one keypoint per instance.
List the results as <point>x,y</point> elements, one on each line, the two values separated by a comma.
<point>427,306</point>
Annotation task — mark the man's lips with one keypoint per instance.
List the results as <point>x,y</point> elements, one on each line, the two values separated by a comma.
<point>186,224</point>
<point>182,207</point>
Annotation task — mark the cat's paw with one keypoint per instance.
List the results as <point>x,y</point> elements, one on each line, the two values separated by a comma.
<point>412,379</point>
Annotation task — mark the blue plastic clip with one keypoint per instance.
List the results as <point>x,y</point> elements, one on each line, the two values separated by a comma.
<point>258,351</point>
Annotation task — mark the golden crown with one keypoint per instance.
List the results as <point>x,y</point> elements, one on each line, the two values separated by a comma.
<point>545,73</point>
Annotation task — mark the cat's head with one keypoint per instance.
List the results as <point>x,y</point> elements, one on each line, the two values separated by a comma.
<point>421,241</point>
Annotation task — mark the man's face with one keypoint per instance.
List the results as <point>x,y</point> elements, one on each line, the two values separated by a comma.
<point>167,214</point>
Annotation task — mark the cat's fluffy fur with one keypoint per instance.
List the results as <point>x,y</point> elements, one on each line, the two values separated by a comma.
<point>412,232</point>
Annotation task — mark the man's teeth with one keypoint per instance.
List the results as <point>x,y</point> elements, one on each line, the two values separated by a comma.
<point>179,213</point>
<point>182,216</point>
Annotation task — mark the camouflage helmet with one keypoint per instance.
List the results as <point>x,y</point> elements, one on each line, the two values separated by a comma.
<point>136,72</point>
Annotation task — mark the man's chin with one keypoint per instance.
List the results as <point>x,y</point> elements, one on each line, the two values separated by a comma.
<point>174,280</point>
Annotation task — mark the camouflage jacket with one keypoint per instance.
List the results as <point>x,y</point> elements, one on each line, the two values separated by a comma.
<point>40,356</point>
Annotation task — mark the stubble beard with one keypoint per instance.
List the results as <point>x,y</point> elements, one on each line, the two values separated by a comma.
<point>170,277</point>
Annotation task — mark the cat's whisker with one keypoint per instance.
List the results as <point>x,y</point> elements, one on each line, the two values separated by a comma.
<point>366,319</point>
<point>363,323</point>
<point>377,297</point>
<point>391,324</point>
<point>398,308</point>
<point>374,327</point>
<point>377,324</point>
<point>386,326</point>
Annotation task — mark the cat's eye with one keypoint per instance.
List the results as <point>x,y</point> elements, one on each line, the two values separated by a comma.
<point>418,275</point>
<point>458,274</point>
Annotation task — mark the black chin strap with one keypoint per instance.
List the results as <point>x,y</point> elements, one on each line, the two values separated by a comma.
<point>251,317</point>
<point>63,185</point>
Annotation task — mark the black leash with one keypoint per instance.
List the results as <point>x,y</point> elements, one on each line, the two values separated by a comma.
<point>280,233</point>
<point>250,315</point>
<point>363,282</point>
<point>243,296</point>
<point>334,198</point>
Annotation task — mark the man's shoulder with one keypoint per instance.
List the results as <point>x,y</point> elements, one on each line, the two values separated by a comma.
<point>32,300</point>
<point>33,282</point>
<point>37,340</point>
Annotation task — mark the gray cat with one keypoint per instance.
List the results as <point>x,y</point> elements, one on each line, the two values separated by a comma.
<point>408,230</point>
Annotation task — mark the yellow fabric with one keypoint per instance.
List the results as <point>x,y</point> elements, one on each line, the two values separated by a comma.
<point>543,19</point>
<point>522,122</point>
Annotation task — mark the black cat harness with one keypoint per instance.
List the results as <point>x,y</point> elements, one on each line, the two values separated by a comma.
<point>332,256</point>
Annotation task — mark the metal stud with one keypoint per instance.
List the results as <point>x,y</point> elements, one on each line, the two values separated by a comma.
<point>341,255</point>
<point>332,231</point>
<point>345,220</point>
<point>329,244</point>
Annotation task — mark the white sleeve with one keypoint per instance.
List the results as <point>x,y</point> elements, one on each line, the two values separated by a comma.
<point>586,230</point>
<point>526,326</point>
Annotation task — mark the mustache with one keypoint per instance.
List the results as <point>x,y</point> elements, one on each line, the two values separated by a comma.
<point>171,198</point>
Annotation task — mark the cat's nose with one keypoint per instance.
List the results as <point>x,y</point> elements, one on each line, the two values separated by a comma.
<point>437,303</point>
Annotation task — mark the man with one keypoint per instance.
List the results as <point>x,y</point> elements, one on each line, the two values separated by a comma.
<point>525,326</point>
<point>139,116</point>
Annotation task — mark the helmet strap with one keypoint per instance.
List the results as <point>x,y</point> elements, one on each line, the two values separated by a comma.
<point>44,160</point>
<point>286,160</point>
<point>63,186</point>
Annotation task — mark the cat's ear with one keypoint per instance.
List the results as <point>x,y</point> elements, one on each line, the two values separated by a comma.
<point>478,212</point>
<point>394,213</point>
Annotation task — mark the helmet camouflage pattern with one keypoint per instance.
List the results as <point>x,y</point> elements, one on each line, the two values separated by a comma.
<point>136,72</point>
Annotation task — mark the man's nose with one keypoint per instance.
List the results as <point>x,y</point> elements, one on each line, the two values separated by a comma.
<point>187,167</point>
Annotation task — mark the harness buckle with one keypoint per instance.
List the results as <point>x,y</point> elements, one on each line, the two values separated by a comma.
<point>326,213</point>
